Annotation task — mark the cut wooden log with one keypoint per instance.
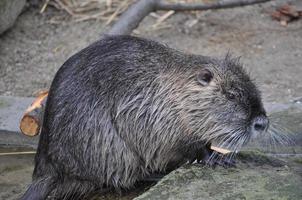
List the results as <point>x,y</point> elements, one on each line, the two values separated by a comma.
<point>32,119</point>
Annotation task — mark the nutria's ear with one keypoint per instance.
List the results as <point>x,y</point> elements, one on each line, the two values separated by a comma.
<point>204,77</point>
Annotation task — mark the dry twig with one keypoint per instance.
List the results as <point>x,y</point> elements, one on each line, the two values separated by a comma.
<point>44,6</point>
<point>123,6</point>
<point>17,153</point>
<point>163,18</point>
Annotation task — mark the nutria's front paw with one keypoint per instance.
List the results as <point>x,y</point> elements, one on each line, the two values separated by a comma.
<point>206,156</point>
<point>212,158</point>
<point>217,159</point>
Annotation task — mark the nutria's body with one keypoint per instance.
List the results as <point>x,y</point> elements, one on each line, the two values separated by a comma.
<point>126,107</point>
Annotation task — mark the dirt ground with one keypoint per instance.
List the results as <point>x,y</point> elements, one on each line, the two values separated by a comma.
<point>15,174</point>
<point>33,50</point>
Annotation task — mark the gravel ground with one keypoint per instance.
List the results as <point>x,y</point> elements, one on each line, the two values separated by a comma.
<point>32,52</point>
<point>35,48</point>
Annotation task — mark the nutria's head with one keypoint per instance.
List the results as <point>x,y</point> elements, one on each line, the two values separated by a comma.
<point>223,105</point>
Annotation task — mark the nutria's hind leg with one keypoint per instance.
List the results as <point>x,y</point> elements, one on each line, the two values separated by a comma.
<point>73,189</point>
<point>39,189</point>
<point>52,189</point>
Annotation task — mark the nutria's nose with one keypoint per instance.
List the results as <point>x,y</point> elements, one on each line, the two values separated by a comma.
<point>260,123</point>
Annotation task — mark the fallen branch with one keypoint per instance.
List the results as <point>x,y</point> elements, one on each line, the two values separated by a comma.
<point>208,6</point>
<point>138,11</point>
<point>132,17</point>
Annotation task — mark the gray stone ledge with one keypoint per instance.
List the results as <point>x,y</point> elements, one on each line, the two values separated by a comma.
<point>256,177</point>
<point>12,109</point>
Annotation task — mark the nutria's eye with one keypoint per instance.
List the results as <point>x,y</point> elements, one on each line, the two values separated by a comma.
<point>204,77</point>
<point>231,96</point>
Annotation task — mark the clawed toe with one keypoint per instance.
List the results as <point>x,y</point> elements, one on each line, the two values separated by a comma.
<point>219,160</point>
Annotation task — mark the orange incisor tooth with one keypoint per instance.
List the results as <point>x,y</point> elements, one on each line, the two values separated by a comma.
<point>220,150</point>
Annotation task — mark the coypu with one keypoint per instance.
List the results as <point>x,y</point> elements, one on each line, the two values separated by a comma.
<point>126,107</point>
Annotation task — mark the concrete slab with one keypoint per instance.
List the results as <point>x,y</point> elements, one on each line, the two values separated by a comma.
<point>12,108</point>
<point>11,111</point>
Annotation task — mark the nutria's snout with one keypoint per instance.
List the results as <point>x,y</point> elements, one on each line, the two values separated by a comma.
<point>259,125</point>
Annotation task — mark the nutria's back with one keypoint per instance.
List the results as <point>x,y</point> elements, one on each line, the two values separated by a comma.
<point>126,107</point>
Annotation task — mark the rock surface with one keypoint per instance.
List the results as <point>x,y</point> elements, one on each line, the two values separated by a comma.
<point>9,11</point>
<point>255,177</point>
